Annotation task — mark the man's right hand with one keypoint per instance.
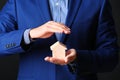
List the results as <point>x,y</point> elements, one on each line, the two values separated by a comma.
<point>48,29</point>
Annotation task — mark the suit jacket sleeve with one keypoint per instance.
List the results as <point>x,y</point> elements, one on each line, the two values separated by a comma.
<point>105,56</point>
<point>10,36</point>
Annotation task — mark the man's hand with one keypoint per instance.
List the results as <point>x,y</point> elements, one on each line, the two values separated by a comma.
<point>70,57</point>
<point>48,29</point>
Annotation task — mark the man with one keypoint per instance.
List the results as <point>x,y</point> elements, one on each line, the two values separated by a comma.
<point>86,27</point>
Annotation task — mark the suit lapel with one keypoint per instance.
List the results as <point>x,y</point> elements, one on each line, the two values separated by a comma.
<point>44,10</point>
<point>74,6</point>
<point>45,13</point>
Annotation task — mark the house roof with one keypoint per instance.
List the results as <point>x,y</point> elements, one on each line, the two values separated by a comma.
<point>56,44</point>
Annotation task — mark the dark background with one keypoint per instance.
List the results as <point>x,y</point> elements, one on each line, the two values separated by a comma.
<point>9,64</point>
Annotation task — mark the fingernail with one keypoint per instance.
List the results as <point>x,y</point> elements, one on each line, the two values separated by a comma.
<point>66,60</point>
<point>46,58</point>
<point>68,28</point>
<point>67,32</point>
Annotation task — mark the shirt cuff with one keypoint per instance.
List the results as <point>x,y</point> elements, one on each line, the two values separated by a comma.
<point>27,38</point>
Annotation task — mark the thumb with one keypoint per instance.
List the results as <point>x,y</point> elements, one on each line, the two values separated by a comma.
<point>71,55</point>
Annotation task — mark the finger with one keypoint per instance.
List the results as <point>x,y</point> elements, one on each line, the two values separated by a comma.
<point>50,59</point>
<point>71,55</point>
<point>57,27</point>
<point>55,60</point>
<point>54,29</point>
<point>47,58</point>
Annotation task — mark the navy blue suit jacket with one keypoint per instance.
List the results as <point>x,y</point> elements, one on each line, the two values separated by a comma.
<point>92,35</point>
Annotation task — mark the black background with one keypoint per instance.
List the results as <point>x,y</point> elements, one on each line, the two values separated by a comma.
<point>9,64</point>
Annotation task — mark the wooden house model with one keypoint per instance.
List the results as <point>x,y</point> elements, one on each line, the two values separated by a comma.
<point>58,50</point>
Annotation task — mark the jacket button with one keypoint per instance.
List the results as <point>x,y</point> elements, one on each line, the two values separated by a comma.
<point>8,46</point>
<point>13,44</point>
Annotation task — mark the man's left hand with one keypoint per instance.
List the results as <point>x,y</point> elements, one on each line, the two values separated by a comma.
<point>70,57</point>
